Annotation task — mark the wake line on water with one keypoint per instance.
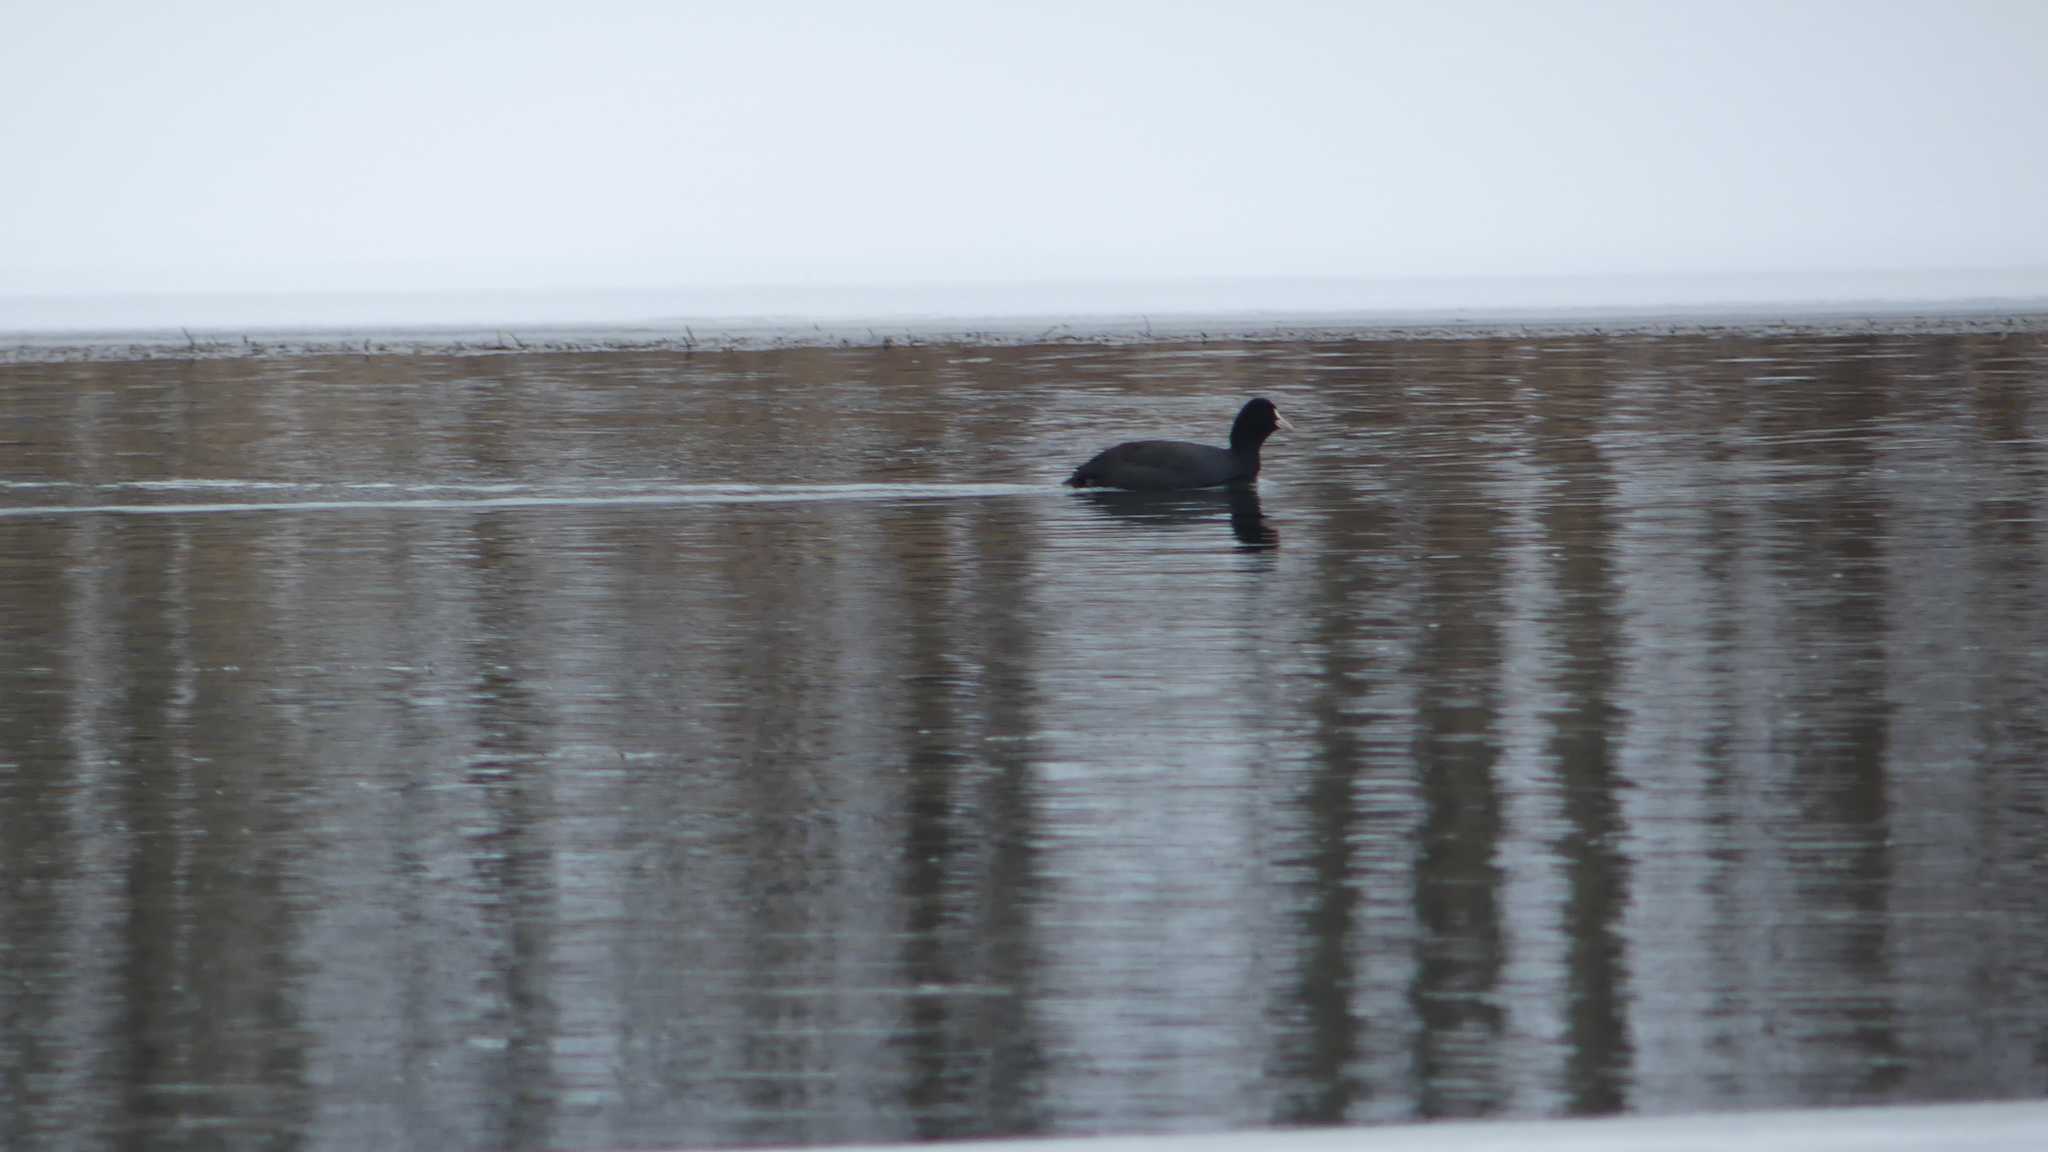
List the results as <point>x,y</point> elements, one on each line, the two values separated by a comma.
<point>679,495</point>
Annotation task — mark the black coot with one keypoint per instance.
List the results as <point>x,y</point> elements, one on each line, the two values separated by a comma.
<point>1163,465</point>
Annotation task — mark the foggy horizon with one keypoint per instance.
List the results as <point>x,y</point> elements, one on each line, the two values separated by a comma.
<point>1108,300</point>
<point>632,148</point>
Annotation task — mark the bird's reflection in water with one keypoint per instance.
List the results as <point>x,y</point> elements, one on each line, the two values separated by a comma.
<point>1181,508</point>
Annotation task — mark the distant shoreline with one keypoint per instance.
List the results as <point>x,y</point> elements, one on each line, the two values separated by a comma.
<point>1118,330</point>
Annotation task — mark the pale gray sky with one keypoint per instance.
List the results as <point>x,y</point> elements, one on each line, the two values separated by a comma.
<point>474,146</point>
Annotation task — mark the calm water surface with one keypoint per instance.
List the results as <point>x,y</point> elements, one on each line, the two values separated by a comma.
<point>632,749</point>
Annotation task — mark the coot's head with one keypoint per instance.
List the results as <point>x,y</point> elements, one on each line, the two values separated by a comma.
<point>1257,420</point>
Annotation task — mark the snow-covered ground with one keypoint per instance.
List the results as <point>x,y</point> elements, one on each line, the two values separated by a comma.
<point>2005,1127</point>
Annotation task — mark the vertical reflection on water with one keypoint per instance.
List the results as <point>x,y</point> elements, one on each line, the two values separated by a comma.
<point>1315,1005</point>
<point>510,851</point>
<point>1344,838</point>
<point>171,991</point>
<point>1146,785</point>
<point>1576,517</point>
<point>158,804</point>
<point>966,846</point>
<point>1962,628</point>
<point>1674,541</point>
<point>1841,745</point>
<point>997,933</point>
<point>1457,996</point>
<point>933,850</point>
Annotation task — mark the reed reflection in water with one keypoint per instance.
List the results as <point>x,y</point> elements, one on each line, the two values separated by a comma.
<point>513,751</point>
